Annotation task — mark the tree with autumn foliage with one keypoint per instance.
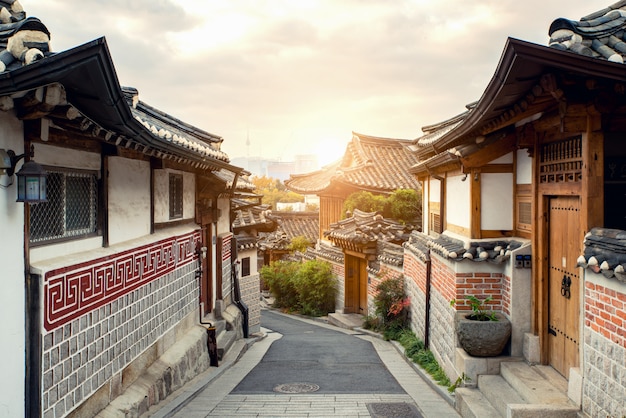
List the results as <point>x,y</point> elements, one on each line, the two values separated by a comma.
<point>274,191</point>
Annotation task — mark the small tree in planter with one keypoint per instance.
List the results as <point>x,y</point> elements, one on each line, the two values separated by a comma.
<point>482,333</point>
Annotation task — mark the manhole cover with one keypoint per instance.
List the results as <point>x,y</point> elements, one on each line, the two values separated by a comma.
<point>393,410</point>
<point>297,388</point>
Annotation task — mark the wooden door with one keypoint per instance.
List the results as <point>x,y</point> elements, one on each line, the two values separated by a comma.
<point>351,286</point>
<point>564,284</point>
<point>362,287</point>
<point>355,300</point>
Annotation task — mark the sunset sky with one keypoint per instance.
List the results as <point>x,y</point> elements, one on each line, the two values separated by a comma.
<point>298,76</point>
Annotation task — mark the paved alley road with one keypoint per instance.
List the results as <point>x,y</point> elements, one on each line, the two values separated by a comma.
<point>305,368</point>
<point>307,353</point>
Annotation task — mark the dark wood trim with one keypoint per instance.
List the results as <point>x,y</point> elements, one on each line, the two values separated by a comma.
<point>497,168</point>
<point>491,152</point>
<point>164,225</point>
<point>487,233</point>
<point>475,203</point>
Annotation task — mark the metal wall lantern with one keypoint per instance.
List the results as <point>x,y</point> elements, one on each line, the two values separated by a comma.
<point>31,179</point>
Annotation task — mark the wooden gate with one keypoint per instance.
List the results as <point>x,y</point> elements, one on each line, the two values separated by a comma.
<point>564,283</point>
<point>355,285</point>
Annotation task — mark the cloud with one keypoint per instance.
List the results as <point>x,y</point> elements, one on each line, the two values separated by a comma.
<point>288,73</point>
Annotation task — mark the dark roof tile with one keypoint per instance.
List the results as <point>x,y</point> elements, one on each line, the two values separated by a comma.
<point>369,163</point>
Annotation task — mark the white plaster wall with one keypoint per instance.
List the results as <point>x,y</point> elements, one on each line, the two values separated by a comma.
<point>223,222</point>
<point>505,159</point>
<point>435,190</point>
<point>425,202</point>
<point>129,199</point>
<point>12,295</point>
<point>189,195</point>
<point>458,201</point>
<point>496,197</point>
<point>524,167</point>
<point>162,195</point>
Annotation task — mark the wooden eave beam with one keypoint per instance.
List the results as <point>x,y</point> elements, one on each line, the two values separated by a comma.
<point>491,152</point>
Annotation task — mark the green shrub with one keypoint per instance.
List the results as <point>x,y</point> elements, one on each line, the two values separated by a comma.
<point>391,302</point>
<point>316,287</point>
<point>365,201</point>
<point>405,205</point>
<point>280,277</point>
<point>308,287</point>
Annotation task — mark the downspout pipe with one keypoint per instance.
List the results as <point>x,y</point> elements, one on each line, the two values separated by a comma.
<point>234,271</point>
<point>211,331</point>
<point>427,307</point>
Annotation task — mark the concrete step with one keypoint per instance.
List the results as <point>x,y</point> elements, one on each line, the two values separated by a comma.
<point>498,392</point>
<point>471,403</point>
<point>533,387</point>
<point>346,321</point>
<point>543,390</point>
<point>225,340</point>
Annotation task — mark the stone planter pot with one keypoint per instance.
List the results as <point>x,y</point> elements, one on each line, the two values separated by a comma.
<point>482,338</point>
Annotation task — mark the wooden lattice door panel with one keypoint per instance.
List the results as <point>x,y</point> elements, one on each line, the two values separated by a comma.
<point>561,162</point>
<point>564,284</point>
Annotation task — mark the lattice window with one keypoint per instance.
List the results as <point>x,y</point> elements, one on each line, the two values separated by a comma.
<point>245,266</point>
<point>524,214</point>
<point>435,222</point>
<point>176,196</point>
<point>434,217</point>
<point>561,162</point>
<point>71,210</point>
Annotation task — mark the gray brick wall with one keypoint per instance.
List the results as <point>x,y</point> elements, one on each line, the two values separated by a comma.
<point>604,384</point>
<point>83,355</point>
<point>417,308</point>
<point>251,296</point>
<point>442,332</point>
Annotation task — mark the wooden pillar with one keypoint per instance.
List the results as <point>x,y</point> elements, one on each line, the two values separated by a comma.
<point>475,203</point>
<point>592,193</point>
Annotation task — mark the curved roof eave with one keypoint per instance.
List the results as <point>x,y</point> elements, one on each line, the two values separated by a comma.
<point>523,63</point>
<point>90,80</point>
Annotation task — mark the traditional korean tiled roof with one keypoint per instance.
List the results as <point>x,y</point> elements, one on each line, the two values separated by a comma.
<point>432,133</point>
<point>245,241</point>
<point>390,253</point>
<point>248,217</point>
<point>228,177</point>
<point>494,251</point>
<point>291,225</point>
<point>365,229</point>
<point>369,163</point>
<point>327,252</point>
<point>605,253</point>
<point>168,128</point>
<point>598,35</point>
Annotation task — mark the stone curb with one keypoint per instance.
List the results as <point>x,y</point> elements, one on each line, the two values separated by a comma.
<point>193,389</point>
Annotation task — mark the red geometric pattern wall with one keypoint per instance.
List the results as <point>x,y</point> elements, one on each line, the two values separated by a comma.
<point>72,291</point>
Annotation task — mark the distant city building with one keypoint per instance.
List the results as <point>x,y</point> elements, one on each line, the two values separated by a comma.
<point>274,168</point>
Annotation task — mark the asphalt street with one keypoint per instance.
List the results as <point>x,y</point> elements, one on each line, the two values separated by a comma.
<point>307,368</point>
<point>335,361</point>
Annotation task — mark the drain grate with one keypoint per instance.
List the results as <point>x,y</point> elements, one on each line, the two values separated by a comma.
<point>393,410</point>
<point>297,388</point>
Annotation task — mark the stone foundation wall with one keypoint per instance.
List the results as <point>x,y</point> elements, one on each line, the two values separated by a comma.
<point>604,365</point>
<point>415,279</point>
<point>442,316</point>
<point>340,297</point>
<point>87,353</point>
<point>251,296</point>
